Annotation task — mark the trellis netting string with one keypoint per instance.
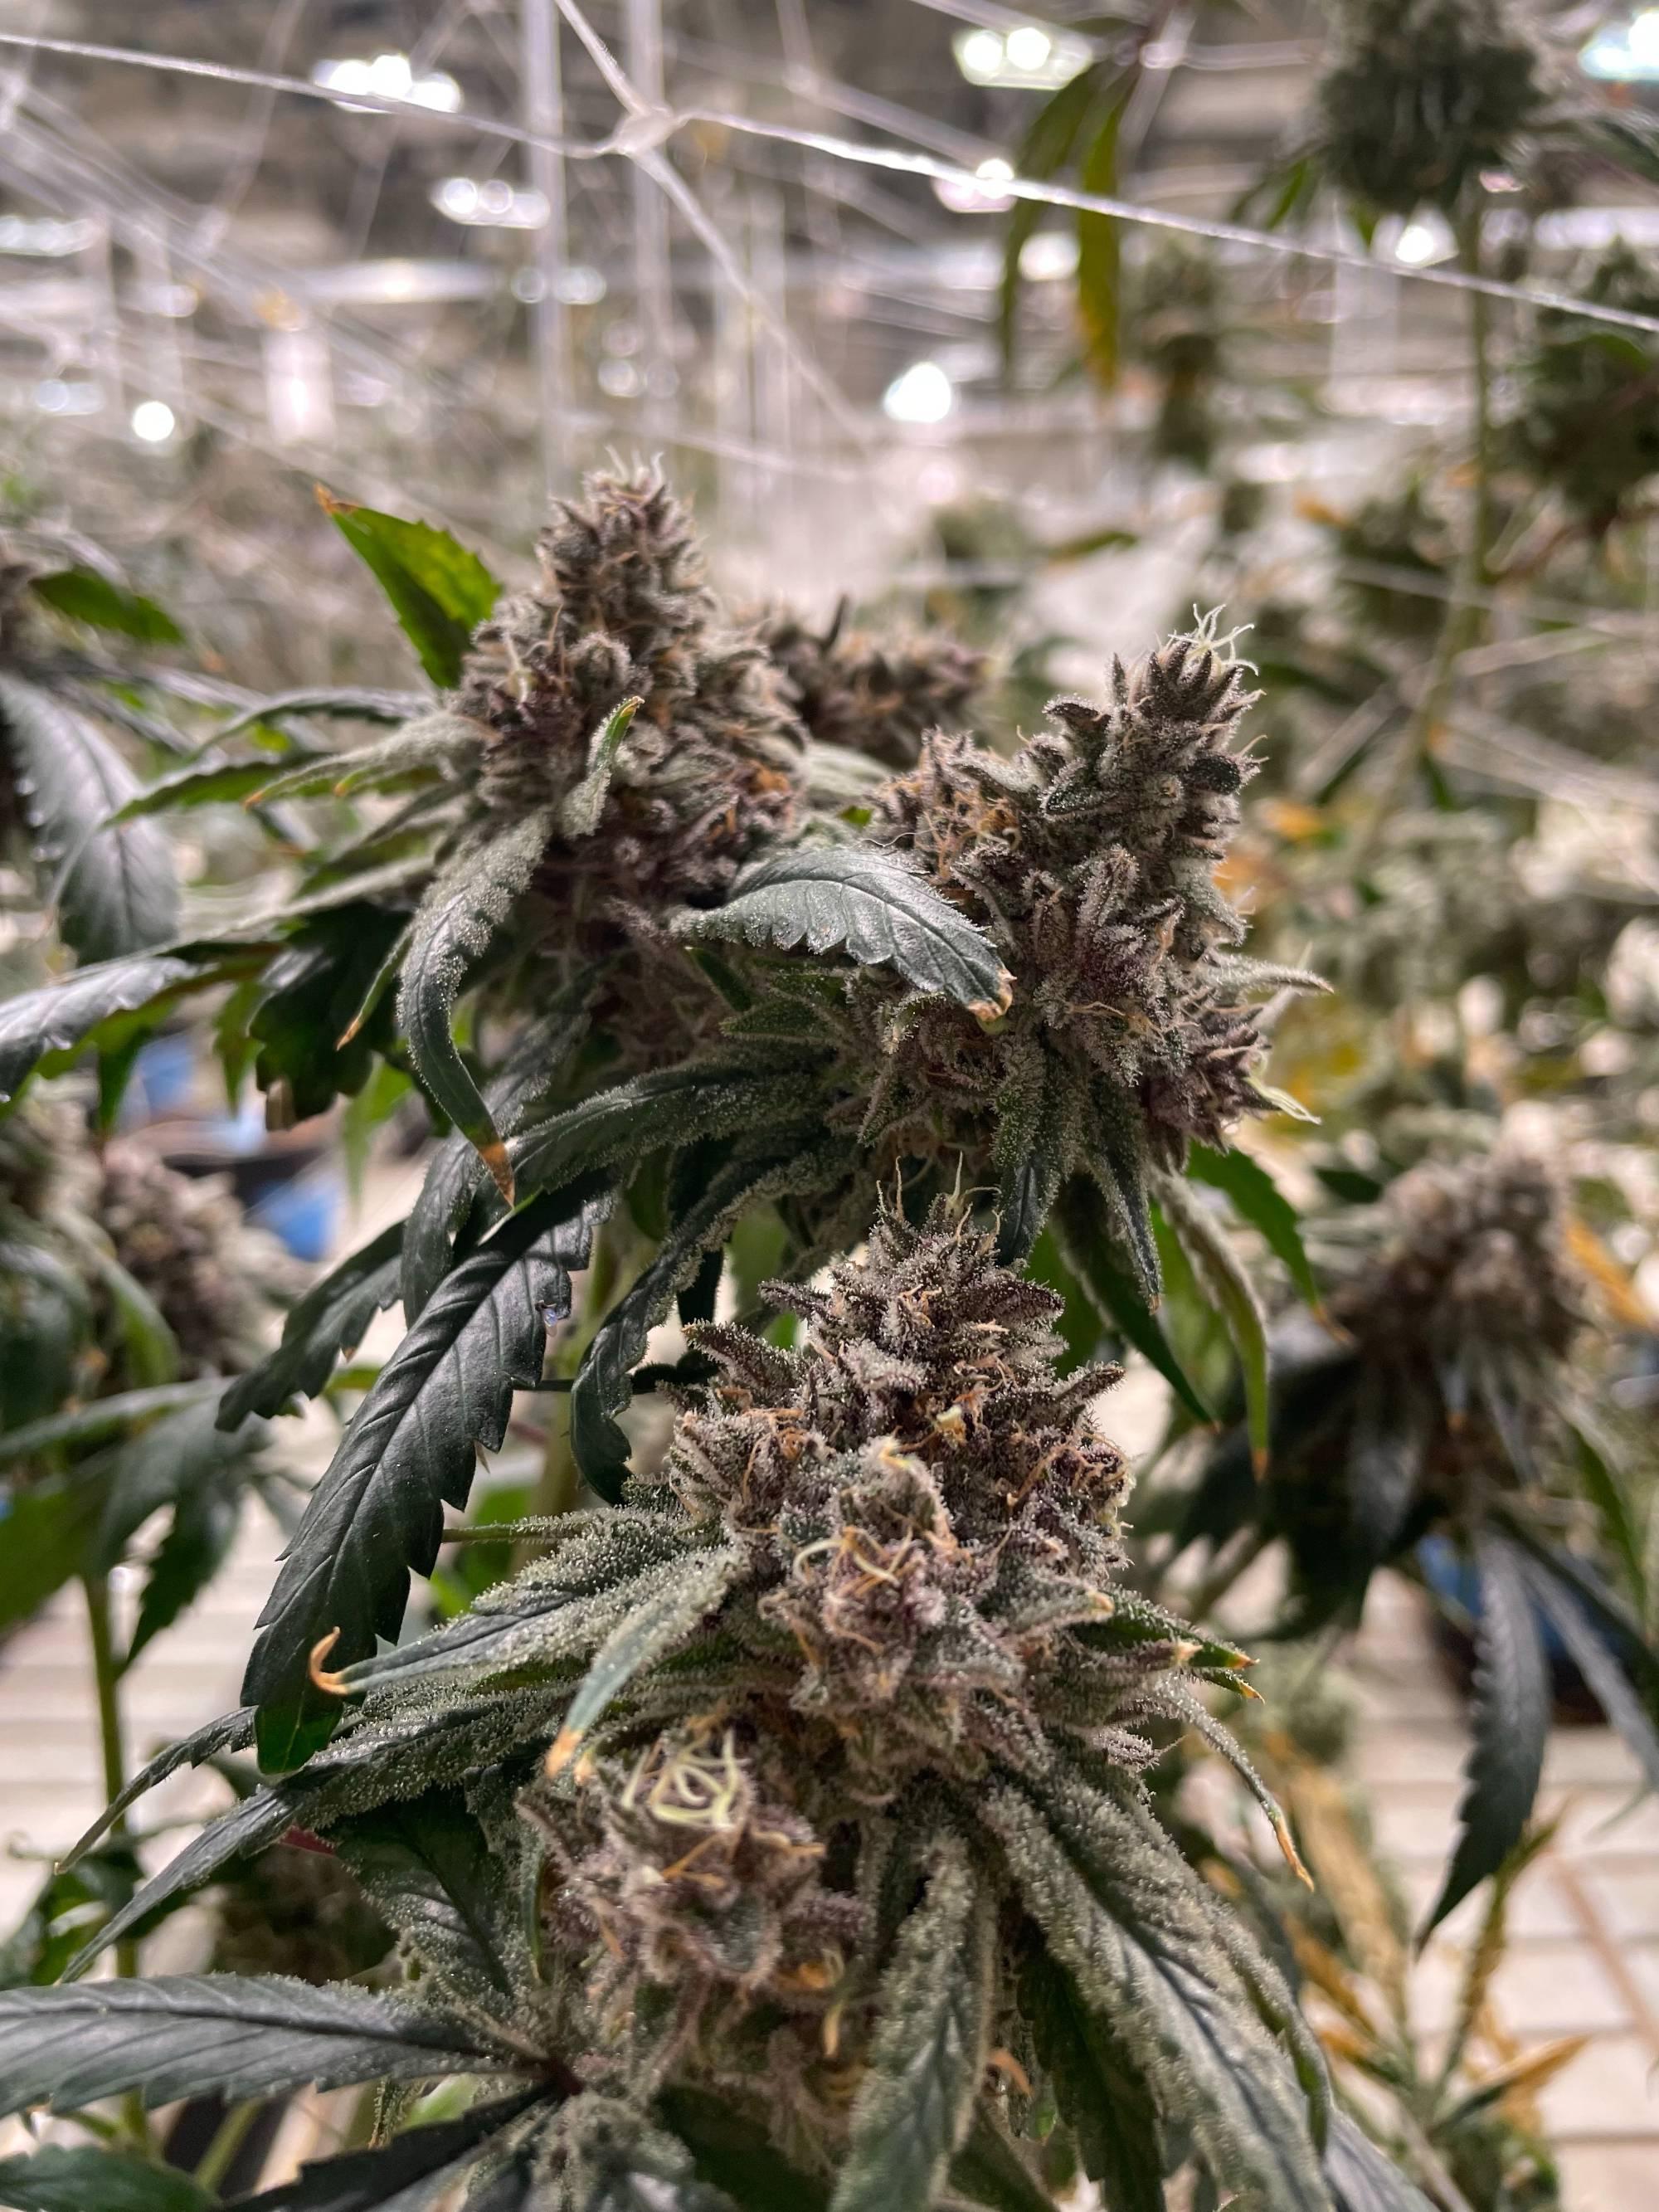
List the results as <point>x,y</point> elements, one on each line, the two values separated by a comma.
<point>646,129</point>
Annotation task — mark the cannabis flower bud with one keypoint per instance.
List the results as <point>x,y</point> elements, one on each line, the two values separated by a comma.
<point>188,1244</point>
<point>1092,859</point>
<point>1470,1267</point>
<point>708,768</point>
<point>1422,95</point>
<point>878,696</point>
<point>900,1546</point>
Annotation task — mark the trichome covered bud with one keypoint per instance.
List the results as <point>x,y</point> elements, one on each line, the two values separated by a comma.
<point>709,766</point>
<point>876,695</point>
<point>1092,859</point>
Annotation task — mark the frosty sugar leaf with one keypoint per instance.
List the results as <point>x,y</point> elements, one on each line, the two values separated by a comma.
<point>828,897</point>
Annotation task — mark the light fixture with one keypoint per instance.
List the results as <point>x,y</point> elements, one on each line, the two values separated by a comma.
<point>493,204</point>
<point>55,395</point>
<point>153,421</point>
<point>1623,53</point>
<point>389,76</point>
<point>44,236</point>
<point>1029,56</point>
<point>922,393</point>
<point>1427,238</point>
<point>982,197</point>
<point>1049,256</point>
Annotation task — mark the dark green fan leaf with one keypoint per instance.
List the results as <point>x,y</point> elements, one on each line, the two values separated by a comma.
<point>1605,1487</point>
<point>665,1111</point>
<point>1115,1155</point>
<point>412,1444</point>
<point>460,919</point>
<point>43,1537</point>
<point>86,2177</point>
<point>249,1826</point>
<point>870,903</point>
<point>1100,2095</point>
<point>602,1386</point>
<point>456,1175</point>
<point>168,1462</point>
<point>190,2035</point>
<point>916,2103</point>
<point>230,781</point>
<point>195,1547</point>
<point>1385,1459</point>
<point>1225,1284</point>
<point>230,1732</point>
<point>377,2180</point>
<point>1084,1240</point>
<point>1510,1718</point>
<point>1603,1665</point>
<point>59,1017</point>
<point>439,591</point>
<point>314,1042</point>
<point>102,1417</point>
<point>326,1324</point>
<point>86,597</point>
<point>113,885</point>
<point>989,2170</point>
<point>1257,1199</point>
<point>1362,2180</point>
<point>731,2154</point>
<point>1137,1931</point>
<point>427,1868</point>
<point>333,699</point>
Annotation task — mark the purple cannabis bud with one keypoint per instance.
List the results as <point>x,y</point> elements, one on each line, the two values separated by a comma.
<point>187,1244</point>
<point>876,695</point>
<point>709,766</point>
<point>1092,857</point>
<point>1470,1264</point>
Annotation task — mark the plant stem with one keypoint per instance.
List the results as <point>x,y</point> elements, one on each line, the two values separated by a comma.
<point>217,2160</point>
<point>107,1681</point>
<point>106,1674</point>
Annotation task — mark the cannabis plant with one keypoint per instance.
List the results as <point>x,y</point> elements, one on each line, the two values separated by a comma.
<point>1450,1403</point>
<point>1583,421</point>
<point>110,885</point>
<point>782,1831</point>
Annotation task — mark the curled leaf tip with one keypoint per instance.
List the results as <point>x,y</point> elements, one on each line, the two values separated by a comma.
<point>565,1747</point>
<point>493,1156</point>
<point>1005,2063</point>
<point>332,1684</point>
<point>1287,1845</point>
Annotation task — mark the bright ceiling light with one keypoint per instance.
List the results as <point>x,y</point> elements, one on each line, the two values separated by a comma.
<point>1028,49</point>
<point>494,203</point>
<point>979,56</point>
<point>923,393</point>
<point>389,76</point>
<point>1625,53</point>
<point>154,422</point>
<point>1427,238</point>
<point>1029,55</point>
<point>983,198</point>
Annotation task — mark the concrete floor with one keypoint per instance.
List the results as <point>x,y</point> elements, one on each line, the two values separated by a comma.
<point>1585,1957</point>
